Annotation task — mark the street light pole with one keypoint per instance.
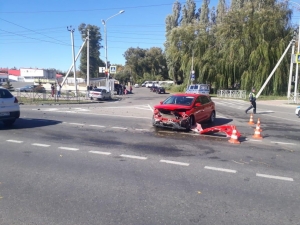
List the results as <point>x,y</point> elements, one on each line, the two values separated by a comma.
<point>105,34</point>
<point>74,60</point>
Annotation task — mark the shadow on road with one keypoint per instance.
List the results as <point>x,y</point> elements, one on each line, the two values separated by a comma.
<point>25,123</point>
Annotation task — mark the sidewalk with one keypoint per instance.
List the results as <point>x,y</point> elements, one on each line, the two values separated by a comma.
<point>284,103</point>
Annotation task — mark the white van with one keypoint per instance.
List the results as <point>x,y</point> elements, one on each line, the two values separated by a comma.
<point>198,89</point>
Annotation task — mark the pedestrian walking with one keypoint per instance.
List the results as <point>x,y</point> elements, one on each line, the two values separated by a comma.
<point>252,99</point>
<point>58,90</point>
<point>52,89</point>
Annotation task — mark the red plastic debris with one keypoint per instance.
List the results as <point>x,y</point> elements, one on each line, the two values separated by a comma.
<point>227,129</point>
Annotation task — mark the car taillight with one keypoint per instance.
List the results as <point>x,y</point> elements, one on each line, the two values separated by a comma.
<point>16,100</point>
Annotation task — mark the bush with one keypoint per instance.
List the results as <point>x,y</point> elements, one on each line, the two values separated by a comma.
<point>39,89</point>
<point>178,88</point>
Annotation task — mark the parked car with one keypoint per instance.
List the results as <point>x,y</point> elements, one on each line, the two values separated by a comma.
<point>298,111</point>
<point>100,93</point>
<point>182,111</point>
<point>27,88</point>
<point>198,89</point>
<point>9,107</point>
<point>153,88</point>
<point>136,85</point>
<point>160,90</point>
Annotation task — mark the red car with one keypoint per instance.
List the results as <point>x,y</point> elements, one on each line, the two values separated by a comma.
<point>182,111</point>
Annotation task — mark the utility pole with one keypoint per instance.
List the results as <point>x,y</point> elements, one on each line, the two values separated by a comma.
<point>73,52</point>
<point>291,69</point>
<point>297,66</point>
<point>88,60</point>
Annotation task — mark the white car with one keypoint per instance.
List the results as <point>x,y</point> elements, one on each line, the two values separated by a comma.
<point>298,111</point>
<point>100,93</point>
<point>9,107</point>
<point>136,85</point>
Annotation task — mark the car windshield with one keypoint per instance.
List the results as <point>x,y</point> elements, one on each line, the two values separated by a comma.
<point>5,94</point>
<point>179,100</point>
<point>98,89</point>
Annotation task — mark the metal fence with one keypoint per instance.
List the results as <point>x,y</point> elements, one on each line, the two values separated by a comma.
<point>232,94</point>
<point>65,95</point>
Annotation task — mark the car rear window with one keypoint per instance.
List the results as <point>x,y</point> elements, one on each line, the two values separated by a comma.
<point>5,94</point>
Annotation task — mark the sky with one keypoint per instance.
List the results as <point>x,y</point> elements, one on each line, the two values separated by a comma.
<point>34,33</point>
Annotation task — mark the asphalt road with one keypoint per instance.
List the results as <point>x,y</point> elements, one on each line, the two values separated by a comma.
<point>104,163</point>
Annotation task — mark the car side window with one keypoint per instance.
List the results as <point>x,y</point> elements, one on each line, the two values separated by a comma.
<point>204,99</point>
<point>198,100</point>
<point>5,94</point>
<point>103,91</point>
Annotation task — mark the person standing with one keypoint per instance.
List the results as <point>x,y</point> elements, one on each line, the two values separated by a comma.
<point>252,99</point>
<point>52,89</point>
<point>58,90</point>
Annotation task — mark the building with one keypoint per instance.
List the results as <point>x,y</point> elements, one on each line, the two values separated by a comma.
<point>29,75</point>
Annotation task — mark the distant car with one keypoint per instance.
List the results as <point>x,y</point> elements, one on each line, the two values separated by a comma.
<point>9,107</point>
<point>27,88</point>
<point>136,85</point>
<point>100,93</point>
<point>182,111</point>
<point>160,90</point>
<point>153,88</point>
<point>298,111</point>
<point>198,89</point>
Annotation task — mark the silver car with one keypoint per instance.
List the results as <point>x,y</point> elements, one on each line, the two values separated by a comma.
<point>100,93</point>
<point>9,107</point>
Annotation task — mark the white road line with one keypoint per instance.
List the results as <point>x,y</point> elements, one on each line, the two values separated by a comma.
<point>220,169</point>
<point>40,145</point>
<point>96,126</point>
<point>142,108</point>
<point>69,149</point>
<point>123,128</point>
<point>150,107</point>
<point>284,143</point>
<point>274,177</point>
<point>174,162</point>
<point>254,140</point>
<point>281,118</point>
<point>133,157</point>
<point>100,153</point>
<point>141,129</point>
<point>81,124</point>
<point>14,141</point>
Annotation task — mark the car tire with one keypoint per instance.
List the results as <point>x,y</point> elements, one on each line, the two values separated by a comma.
<point>191,123</point>
<point>212,117</point>
<point>299,113</point>
<point>9,122</point>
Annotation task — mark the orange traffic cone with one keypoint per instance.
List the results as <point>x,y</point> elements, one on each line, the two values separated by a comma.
<point>234,137</point>
<point>257,133</point>
<point>251,120</point>
<point>258,125</point>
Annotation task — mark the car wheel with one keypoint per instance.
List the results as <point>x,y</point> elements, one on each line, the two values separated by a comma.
<point>8,122</point>
<point>299,113</point>
<point>190,123</point>
<point>212,117</point>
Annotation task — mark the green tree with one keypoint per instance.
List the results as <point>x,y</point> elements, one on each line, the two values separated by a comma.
<point>95,39</point>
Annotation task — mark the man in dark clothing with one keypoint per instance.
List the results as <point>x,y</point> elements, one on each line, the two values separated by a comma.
<point>252,99</point>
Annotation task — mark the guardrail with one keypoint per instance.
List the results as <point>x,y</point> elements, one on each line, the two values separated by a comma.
<point>232,94</point>
<point>65,95</point>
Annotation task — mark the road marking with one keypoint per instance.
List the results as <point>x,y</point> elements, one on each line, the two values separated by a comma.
<point>14,141</point>
<point>123,128</point>
<point>220,169</point>
<point>254,140</point>
<point>96,126</point>
<point>40,145</point>
<point>69,149</point>
<point>274,177</point>
<point>174,162</point>
<point>150,107</point>
<point>134,157</point>
<point>141,129</point>
<point>284,143</point>
<point>284,118</point>
<point>100,153</point>
<point>80,124</point>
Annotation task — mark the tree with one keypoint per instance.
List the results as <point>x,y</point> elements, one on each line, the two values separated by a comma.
<point>95,38</point>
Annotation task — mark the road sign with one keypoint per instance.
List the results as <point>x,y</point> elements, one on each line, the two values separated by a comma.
<point>298,58</point>
<point>113,69</point>
<point>193,76</point>
<point>101,69</point>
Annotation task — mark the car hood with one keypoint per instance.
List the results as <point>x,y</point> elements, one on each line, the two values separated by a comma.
<point>172,107</point>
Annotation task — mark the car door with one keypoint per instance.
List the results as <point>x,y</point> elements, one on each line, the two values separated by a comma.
<point>205,102</point>
<point>198,110</point>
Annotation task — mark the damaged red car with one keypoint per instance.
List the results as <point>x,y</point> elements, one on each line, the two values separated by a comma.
<point>183,111</point>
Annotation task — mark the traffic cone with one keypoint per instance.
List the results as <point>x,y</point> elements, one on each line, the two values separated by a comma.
<point>234,137</point>
<point>251,120</point>
<point>258,125</point>
<point>257,133</point>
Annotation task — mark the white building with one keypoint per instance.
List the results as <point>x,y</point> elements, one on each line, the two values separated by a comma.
<point>29,75</point>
